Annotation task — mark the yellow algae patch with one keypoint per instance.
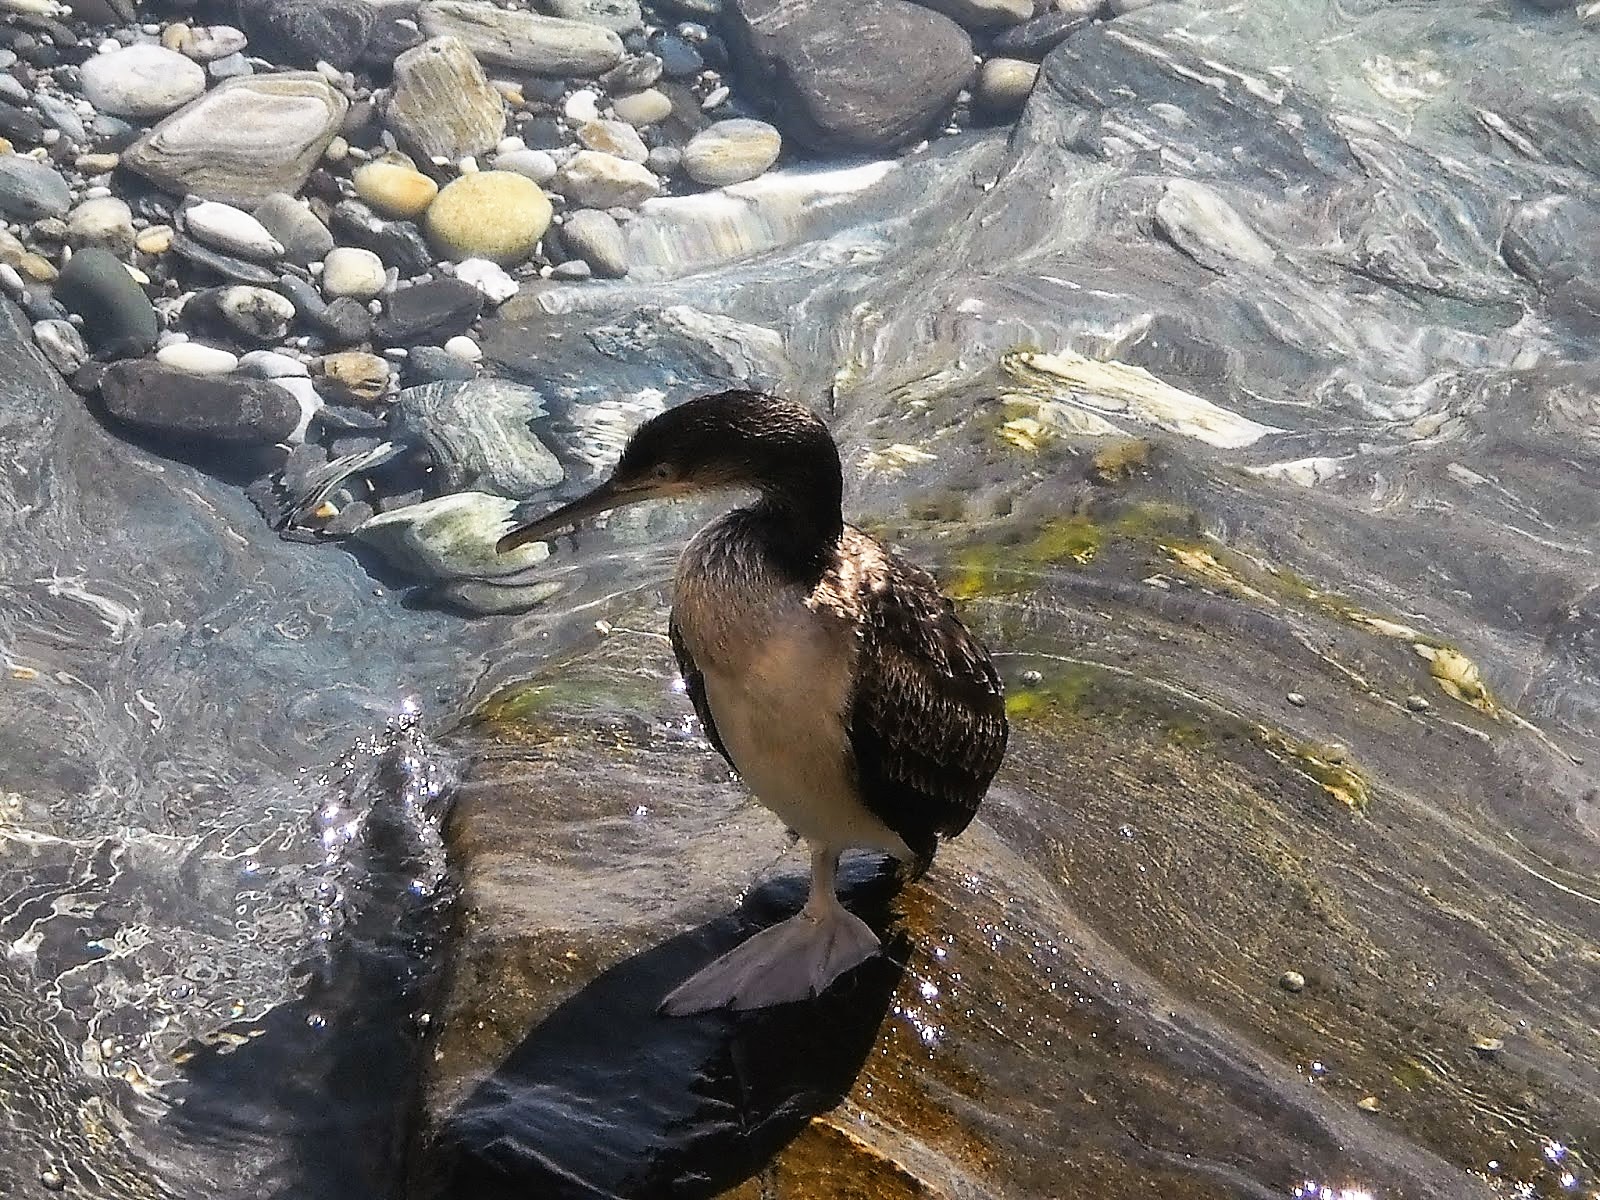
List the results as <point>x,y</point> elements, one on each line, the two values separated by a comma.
<point>895,459</point>
<point>1094,387</point>
<point>1458,676</point>
<point>1327,766</point>
<point>1205,564</point>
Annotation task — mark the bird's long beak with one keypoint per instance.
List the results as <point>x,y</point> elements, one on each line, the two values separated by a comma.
<point>604,498</point>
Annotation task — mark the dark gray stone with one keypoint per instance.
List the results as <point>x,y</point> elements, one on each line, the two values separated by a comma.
<point>118,319</point>
<point>224,265</point>
<point>428,312</point>
<point>301,33</point>
<point>30,190</point>
<point>851,75</point>
<point>19,125</point>
<point>399,243</point>
<point>215,408</point>
<point>679,58</point>
<point>434,364</point>
<point>344,322</point>
<point>1036,38</point>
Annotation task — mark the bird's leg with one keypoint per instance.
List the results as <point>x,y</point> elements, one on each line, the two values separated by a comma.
<point>793,960</point>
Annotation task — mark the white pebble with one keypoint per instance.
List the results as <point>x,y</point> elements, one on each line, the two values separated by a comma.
<point>489,278</point>
<point>231,230</point>
<point>196,359</point>
<point>510,145</point>
<point>269,364</point>
<point>355,273</point>
<point>582,105</point>
<point>464,348</point>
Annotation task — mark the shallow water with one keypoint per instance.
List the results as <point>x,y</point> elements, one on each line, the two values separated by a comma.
<point>1367,478</point>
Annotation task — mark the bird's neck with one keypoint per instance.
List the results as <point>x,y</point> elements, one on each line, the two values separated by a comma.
<point>801,525</point>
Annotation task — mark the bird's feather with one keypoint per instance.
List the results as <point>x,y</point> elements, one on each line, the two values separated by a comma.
<point>695,684</point>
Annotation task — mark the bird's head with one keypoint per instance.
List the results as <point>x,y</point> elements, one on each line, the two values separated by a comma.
<point>733,439</point>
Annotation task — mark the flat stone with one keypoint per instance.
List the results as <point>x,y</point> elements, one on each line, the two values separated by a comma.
<point>620,16</point>
<point>679,58</point>
<point>522,40</point>
<point>597,239</point>
<point>443,105</point>
<point>851,75</point>
<point>434,364</point>
<point>451,537</point>
<point>1036,38</point>
<point>498,215</point>
<point>596,180</point>
<point>207,43</point>
<point>227,266</point>
<point>731,152</point>
<point>105,221</point>
<point>643,108</point>
<point>613,137</point>
<point>30,190</point>
<point>428,312</point>
<point>982,14</point>
<point>352,273</point>
<point>244,140</point>
<point>231,409</point>
<point>118,318</point>
<point>301,33</point>
<point>393,189</point>
<point>197,359</point>
<point>141,81</point>
<point>270,364</point>
<point>478,433</point>
<point>537,165</point>
<point>231,230</point>
<point>304,238</point>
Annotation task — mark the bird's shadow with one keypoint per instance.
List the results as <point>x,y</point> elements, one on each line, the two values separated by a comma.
<point>606,1098</point>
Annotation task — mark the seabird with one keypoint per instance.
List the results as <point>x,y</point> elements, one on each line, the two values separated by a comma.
<point>833,676</point>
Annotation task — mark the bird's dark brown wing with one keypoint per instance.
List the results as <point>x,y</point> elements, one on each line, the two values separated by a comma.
<point>695,684</point>
<point>928,719</point>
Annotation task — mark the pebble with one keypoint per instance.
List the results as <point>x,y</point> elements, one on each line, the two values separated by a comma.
<point>243,140</point>
<point>1418,703</point>
<point>428,312</point>
<point>620,16</point>
<point>632,74</point>
<point>643,108</point>
<point>231,409</point>
<point>399,243</point>
<point>270,364</point>
<point>537,165</point>
<point>118,318</point>
<point>207,43</point>
<point>30,190</point>
<point>1292,981</point>
<point>574,269</point>
<point>18,125</point>
<point>308,33</point>
<point>597,239</point>
<point>257,313</point>
<point>433,364</point>
<point>1036,38</point>
<point>1004,84</point>
<point>731,152</point>
<point>90,165</point>
<point>225,265</point>
<point>596,180</point>
<point>443,105</point>
<point>464,348</point>
<point>582,105</point>
<point>614,137</point>
<point>141,81</point>
<point>679,58</point>
<point>61,115</point>
<point>196,359</point>
<point>1032,678</point>
<point>352,273</point>
<point>526,41</point>
<point>665,160</point>
<point>61,343</point>
<point>105,221</point>
<point>498,215</point>
<point>394,190</point>
<point>231,67</point>
<point>489,278</point>
<point>344,322</point>
<point>451,537</point>
<point>294,226</point>
<point>354,377</point>
<point>231,230</point>
<point>1296,699</point>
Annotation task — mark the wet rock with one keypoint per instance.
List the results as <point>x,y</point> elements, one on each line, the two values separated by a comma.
<point>351,272</point>
<point>613,137</point>
<point>105,221</point>
<point>643,108</point>
<point>1004,84</point>
<point>428,312</point>
<point>303,32</point>
<point>118,319</point>
<point>207,43</point>
<point>231,230</point>
<point>574,269</point>
<point>244,140</point>
<point>220,408</point>
<point>632,74</point>
<point>679,59</point>
<point>61,115</point>
<point>1036,38</point>
<point>597,239</point>
<point>596,180</point>
<point>434,364</point>
<point>523,40</point>
<point>443,105</point>
<point>1198,221</point>
<point>497,215</point>
<point>61,343</point>
<point>1552,237</point>
<point>224,265</point>
<point>620,16</point>
<point>270,364</point>
<point>731,152</point>
<point>982,14</point>
<point>354,377</point>
<point>257,314</point>
<point>665,160</point>
<point>537,165</point>
<point>344,322</point>
<point>400,244</point>
<point>852,75</point>
<point>30,190</point>
<point>20,126</point>
<point>141,81</point>
<point>197,359</point>
<point>393,189</point>
<point>478,433</point>
<point>292,224</point>
<point>489,278</point>
<point>452,537</point>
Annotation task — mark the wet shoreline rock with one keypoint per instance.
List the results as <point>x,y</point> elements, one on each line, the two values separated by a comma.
<point>216,408</point>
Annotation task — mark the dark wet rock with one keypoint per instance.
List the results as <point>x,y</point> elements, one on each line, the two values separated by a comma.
<point>679,58</point>
<point>434,364</point>
<point>542,133</point>
<point>982,14</point>
<point>303,294</point>
<point>344,322</point>
<point>393,33</point>
<point>479,435</point>
<point>1553,237</point>
<point>432,312</point>
<point>1036,38</point>
<point>30,190</point>
<point>256,314</point>
<point>19,125</point>
<point>632,74</point>
<point>852,76</point>
<point>221,408</point>
<point>399,244</point>
<point>299,33</point>
<point>118,319</point>
<point>225,265</point>
<point>304,238</point>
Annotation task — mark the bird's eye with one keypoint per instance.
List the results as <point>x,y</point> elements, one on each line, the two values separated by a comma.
<point>661,472</point>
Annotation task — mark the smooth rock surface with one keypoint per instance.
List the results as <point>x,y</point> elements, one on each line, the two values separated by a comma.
<point>1004,84</point>
<point>141,81</point>
<point>498,215</point>
<point>537,165</point>
<point>304,238</point>
<point>1036,38</point>
<point>478,433</point>
<point>523,40</point>
<point>451,537</point>
<point>105,221</point>
<point>393,189</point>
<point>596,180</point>
<point>620,16</point>
<point>231,230</point>
<point>352,273</point>
<point>30,190</point>
<point>731,152</point>
<point>442,105</point>
<point>597,239</point>
<point>232,409</point>
<point>431,311</point>
<point>613,137</point>
<point>196,359</point>
<point>647,107</point>
<point>118,319</point>
<point>982,14</point>
<point>244,140</point>
<point>301,33</point>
